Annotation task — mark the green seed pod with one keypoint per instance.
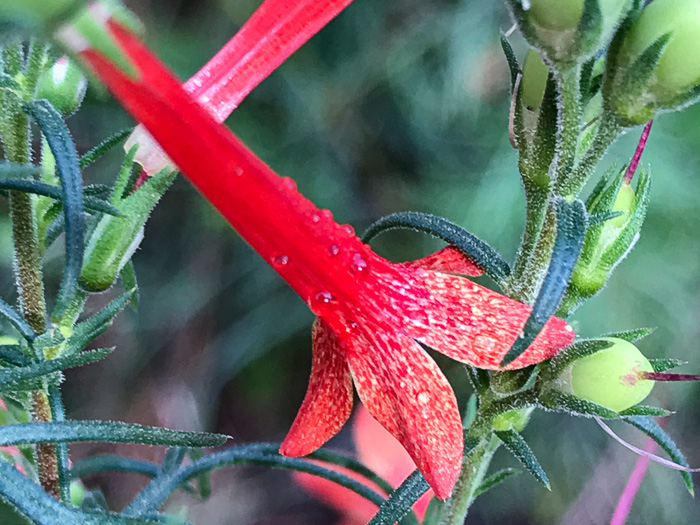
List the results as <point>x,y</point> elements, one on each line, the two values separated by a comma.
<point>654,63</point>
<point>63,85</point>
<point>568,31</point>
<point>608,242</point>
<point>612,377</point>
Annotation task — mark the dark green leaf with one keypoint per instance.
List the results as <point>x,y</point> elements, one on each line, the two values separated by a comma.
<point>10,378</point>
<point>17,321</point>
<point>479,379</point>
<point>495,479</point>
<point>515,443</point>
<point>638,74</point>
<point>103,147</point>
<point>14,355</point>
<point>11,170</point>
<point>401,500</point>
<point>474,248</point>
<point>658,434</point>
<point>600,218</point>
<point>632,336</point>
<point>254,454</point>
<point>96,325</point>
<point>643,410</point>
<point>59,139</point>
<point>571,353</point>
<point>575,406</point>
<point>107,431</point>
<point>513,65</point>
<point>55,192</point>
<point>661,365</point>
<point>129,282</point>
<point>173,458</point>
<point>571,231</point>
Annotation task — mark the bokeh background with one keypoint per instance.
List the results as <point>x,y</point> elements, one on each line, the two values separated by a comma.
<point>393,106</point>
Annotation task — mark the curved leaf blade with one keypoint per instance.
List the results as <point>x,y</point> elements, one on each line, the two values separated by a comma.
<point>401,500</point>
<point>571,232</point>
<point>494,480</point>
<point>61,144</point>
<point>477,250</point>
<point>517,446</point>
<point>17,321</point>
<point>104,431</point>
<point>103,147</point>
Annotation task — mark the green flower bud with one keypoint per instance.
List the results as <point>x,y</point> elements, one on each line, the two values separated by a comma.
<point>569,31</point>
<point>655,64</point>
<point>534,80</point>
<point>607,243</point>
<point>612,377</point>
<point>63,85</point>
<point>115,239</point>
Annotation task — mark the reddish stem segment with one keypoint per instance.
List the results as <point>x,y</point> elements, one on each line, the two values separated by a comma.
<point>666,376</point>
<point>638,152</point>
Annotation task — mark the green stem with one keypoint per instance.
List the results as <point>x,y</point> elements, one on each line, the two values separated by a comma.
<point>569,184</point>
<point>28,273</point>
<point>474,467</point>
<point>36,63</point>
<point>568,121</point>
<point>61,450</point>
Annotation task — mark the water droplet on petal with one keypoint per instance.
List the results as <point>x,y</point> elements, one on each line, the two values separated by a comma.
<point>315,217</point>
<point>333,250</point>
<point>352,325</point>
<point>280,260</point>
<point>324,297</point>
<point>423,398</point>
<point>349,229</point>
<point>238,171</point>
<point>289,183</point>
<point>327,214</point>
<point>358,263</point>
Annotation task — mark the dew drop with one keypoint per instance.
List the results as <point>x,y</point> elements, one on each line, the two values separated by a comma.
<point>315,217</point>
<point>280,260</point>
<point>238,171</point>
<point>352,325</point>
<point>327,214</point>
<point>349,229</point>
<point>333,250</point>
<point>358,263</point>
<point>323,297</point>
<point>423,398</point>
<point>289,183</point>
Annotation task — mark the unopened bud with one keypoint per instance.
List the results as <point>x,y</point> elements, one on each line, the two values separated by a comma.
<point>64,85</point>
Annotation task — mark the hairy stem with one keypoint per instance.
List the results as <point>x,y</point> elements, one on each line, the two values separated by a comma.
<point>27,263</point>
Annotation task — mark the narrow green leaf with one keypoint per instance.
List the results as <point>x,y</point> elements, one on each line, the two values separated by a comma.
<point>11,377</point>
<point>477,250</point>
<point>479,379</point>
<point>577,350</point>
<point>661,365</point>
<point>30,500</point>
<point>203,478</point>
<point>512,60</point>
<point>401,500</point>
<point>59,139</point>
<point>495,479</point>
<point>104,431</point>
<point>12,170</point>
<point>575,406</point>
<point>13,355</point>
<point>173,458</point>
<point>643,410</point>
<point>160,488</point>
<point>658,434</point>
<point>103,147</point>
<point>87,330</point>
<point>129,282</point>
<point>599,218</point>
<point>55,192</point>
<point>17,321</point>
<point>515,443</point>
<point>571,231</point>
<point>632,336</point>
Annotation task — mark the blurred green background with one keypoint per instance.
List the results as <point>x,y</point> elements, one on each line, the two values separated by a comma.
<point>394,106</point>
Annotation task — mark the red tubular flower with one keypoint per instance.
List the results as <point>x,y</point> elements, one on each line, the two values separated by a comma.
<point>372,313</point>
<point>276,30</point>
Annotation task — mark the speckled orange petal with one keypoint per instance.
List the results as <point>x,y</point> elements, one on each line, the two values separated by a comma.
<point>447,260</point>
<point>328,401</point>
<point>405,391</point>
<point>477,326</point>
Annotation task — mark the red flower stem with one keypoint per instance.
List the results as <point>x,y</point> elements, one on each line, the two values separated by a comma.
<point>632,168</point>
<point>624,505</point>
<point>665,376</point>
<point>311,252</point>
